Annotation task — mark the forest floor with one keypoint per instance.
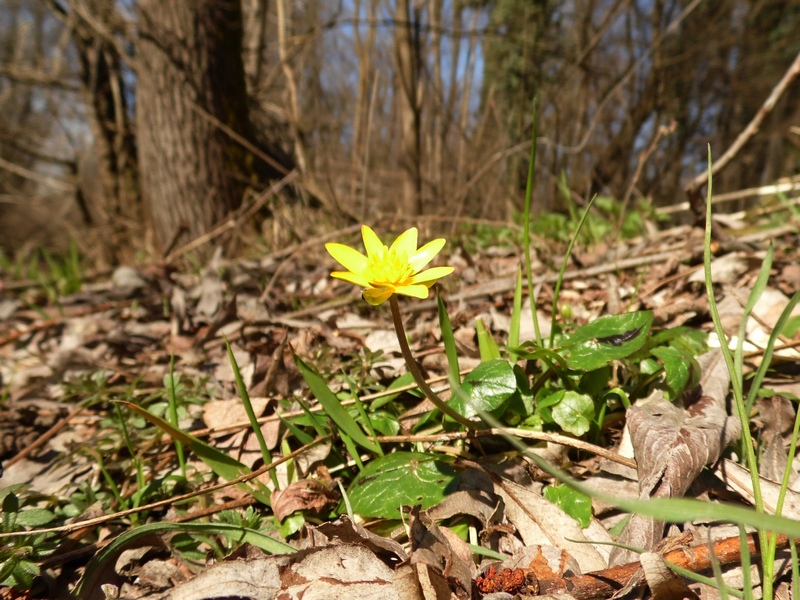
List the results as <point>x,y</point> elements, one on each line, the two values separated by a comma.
<point>123,424</point>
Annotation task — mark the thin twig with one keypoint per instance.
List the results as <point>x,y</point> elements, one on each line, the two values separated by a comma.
<point>168,501</point>
<point>695,185</point>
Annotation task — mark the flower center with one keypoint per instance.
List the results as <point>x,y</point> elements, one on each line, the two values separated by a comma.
<point>389,268</point>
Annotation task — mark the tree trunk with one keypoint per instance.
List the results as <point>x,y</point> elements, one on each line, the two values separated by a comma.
<point>407,54</point>
<point>191,105</point>
<point>109,191</point>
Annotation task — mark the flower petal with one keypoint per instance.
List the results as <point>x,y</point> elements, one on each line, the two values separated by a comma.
<point>372,242</point>
<point>376,296</point>
<point>425,254</point>
<point>350,258</point>
<point>406,243</point>
<point>349,277</point>
<point>431,275</point>
<point>415,291</point>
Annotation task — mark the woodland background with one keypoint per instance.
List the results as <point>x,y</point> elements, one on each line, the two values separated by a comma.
<point>133,127</point>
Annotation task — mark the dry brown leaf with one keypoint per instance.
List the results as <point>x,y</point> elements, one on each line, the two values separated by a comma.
<point>481,504</point>
<point>542,523</point>
<point>308,494</point>
<point>777,417</point>
<point>219,414</point>
<point>442,555</point>
<point>340,571</point>
<point>738,479</point>
<point>664,584</point>
<point>672,445</point>
<point>346,531</point>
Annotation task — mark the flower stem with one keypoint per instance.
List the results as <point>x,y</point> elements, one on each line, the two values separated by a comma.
<point>413,368</point>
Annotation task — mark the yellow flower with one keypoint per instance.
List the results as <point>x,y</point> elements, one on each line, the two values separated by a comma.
<point>389,270</point>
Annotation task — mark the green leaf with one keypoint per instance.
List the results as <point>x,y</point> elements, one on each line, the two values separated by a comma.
<point>607,339</point>
<point>692,342</point>
<point>576,505</point>
<point>487,388</point>
<point>574,413</point>
<point>520,405</point>
<point>35,517</point>
<point>23,574</point>
<point>10,503</point>
<point>486,344</point>
<point>401,479</point>
<point>384,422</point>
<point>403,381</point>
<point>333,407</point>
<point>677,369</point>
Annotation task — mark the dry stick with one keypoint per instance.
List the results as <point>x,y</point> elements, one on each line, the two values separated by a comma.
<point>692,189</point>
<point>47,435</point>
<point>167,501</point>
<point>506,431</point>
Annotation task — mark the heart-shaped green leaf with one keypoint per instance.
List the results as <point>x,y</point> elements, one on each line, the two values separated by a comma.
<point>401,479</point>
<point>607,339</point>
<point>488,388</point>
<point>574,413</point>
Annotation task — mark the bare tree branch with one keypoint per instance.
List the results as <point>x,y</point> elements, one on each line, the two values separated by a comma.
<point>695,185</point>
<point>29,76</point>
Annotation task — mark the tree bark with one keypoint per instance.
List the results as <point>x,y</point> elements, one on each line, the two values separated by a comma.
<point>108,191</point>
<point>407,54</point>
<point>191,107</point>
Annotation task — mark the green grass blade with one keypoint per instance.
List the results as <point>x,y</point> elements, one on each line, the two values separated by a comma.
<point>526,230</point>
<point>223,465</point>
<point>680,510</point>
<point>486,344</point>
<point>563,270</point>
<point>766,360</point>
<point>758,288</point>
<point>738,395</point>
<point>744,553</point>
<point>362,412</point>
<point>333,407</point>
<point>248,407</point>
<point>516,316</point>
<point>173,413</point>
<point>449,341</point>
